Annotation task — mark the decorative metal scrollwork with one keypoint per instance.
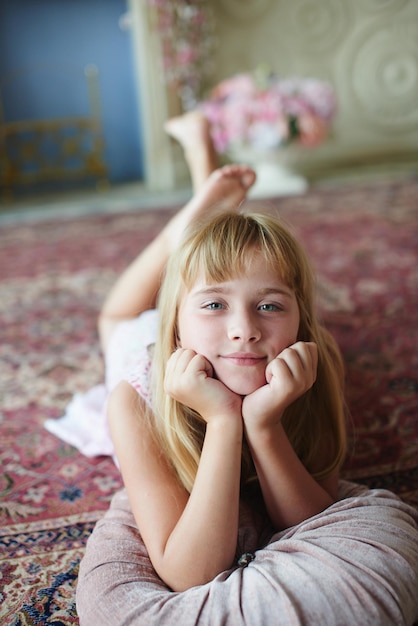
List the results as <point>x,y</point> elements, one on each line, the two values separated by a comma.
<point>54,150</point>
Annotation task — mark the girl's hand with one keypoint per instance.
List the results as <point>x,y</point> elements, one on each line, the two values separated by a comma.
<point>288,376</point>
<point>189,380</point>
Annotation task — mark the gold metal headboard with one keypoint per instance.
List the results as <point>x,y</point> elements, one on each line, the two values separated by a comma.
<point>54,150</point>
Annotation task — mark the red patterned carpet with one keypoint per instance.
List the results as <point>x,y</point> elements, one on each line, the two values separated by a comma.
<point>364,244</point>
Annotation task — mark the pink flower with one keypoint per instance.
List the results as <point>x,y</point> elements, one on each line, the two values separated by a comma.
<point>186,54</point>
<point>312,129</point>
<point>267,112</point>
<point>240,85</point>
<point>321,97</point>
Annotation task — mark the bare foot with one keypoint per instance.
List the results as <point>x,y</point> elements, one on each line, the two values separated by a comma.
<point>225,189</point>
<point>189,129</point>
<point>192,131</point>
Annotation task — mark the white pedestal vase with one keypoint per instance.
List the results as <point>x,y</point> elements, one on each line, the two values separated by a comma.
<point>276,175</point>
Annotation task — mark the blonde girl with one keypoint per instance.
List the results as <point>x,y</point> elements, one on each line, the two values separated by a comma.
<point>314,422</point>
<point>246,386</point>
<point>229,433</point>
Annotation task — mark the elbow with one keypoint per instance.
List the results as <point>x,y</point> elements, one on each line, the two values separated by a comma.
<point>181,580</point>
<point>183,576</point>
<point>180,583</point>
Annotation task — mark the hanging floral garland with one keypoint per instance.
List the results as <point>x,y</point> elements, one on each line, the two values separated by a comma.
<point>187,38</point>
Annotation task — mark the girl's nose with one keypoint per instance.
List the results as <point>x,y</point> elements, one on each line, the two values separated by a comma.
<point>243,327</point>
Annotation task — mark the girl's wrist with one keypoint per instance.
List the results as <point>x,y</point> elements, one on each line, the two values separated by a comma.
<point>258,421</point>
<point>225,422</point>
<point>264,431</point>
<point>226,413</point>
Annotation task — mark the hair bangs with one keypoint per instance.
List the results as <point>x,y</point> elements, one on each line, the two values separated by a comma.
<point>225,248</point>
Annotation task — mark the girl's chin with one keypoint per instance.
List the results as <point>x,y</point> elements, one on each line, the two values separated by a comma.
<point>244,388</point>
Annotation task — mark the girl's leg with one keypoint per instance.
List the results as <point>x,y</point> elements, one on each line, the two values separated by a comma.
<point>137,288</point>
<point>192,131</point>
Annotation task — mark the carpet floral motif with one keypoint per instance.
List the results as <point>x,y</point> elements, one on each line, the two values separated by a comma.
<point>54,275</point>
<point>38,577</point>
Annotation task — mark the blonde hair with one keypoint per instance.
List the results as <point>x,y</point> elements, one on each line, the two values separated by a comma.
<point>220,249</point>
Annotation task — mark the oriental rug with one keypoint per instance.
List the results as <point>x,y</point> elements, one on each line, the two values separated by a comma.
<point>363,242</point>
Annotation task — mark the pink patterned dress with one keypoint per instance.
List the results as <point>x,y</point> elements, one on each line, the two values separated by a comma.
<point>84,424</point>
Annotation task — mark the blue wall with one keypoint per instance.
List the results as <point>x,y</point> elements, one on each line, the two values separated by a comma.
<point>44,47</point>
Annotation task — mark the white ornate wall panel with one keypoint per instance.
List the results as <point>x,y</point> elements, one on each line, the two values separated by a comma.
<point>368,49</point>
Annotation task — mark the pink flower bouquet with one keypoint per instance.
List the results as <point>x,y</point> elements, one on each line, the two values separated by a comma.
<point>268,112</point>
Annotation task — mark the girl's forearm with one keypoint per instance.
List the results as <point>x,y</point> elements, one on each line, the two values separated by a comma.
<point>290,493</point>
<point>203,542</point>
<point>190,537</point>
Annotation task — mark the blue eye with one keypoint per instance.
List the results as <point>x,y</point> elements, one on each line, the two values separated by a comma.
<point>269,307</point>
<point>214,306</point>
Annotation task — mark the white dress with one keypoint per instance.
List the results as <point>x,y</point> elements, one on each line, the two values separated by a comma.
<point>84,424</point>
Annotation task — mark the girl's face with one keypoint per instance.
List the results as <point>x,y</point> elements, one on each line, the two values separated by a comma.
<point>240,325</point>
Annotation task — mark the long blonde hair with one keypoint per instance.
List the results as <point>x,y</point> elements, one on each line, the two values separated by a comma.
<point>219,249</point>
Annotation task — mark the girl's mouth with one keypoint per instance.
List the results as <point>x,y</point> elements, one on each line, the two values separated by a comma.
<point>244,358</point>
